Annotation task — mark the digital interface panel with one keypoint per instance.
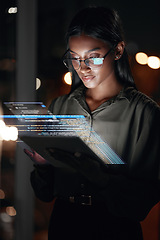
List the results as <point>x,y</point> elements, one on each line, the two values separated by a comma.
<point>34,119</point>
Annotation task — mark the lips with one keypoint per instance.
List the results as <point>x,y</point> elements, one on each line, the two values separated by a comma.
<point>87,78</point>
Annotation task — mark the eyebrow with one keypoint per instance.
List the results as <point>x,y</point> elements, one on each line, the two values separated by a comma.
<point>94,49</point>
<point>91,50</point>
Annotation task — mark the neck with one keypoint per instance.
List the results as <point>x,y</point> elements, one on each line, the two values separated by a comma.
<point>97,96</point>
<point>104,92</point>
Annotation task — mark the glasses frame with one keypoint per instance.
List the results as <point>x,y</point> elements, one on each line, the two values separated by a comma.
<point>83,60</point>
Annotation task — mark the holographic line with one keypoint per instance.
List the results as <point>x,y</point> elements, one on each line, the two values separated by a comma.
<point>42,116</point>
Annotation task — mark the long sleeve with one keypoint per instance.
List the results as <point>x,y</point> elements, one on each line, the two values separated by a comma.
<point>145,159</point>
<point>135,193</point>
<point>42,181</point>
<point>130,126</point>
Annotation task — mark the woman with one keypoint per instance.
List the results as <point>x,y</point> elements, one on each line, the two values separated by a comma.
<point>94,201</point>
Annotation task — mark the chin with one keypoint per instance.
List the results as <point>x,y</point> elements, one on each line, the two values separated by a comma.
<point>89,85</point>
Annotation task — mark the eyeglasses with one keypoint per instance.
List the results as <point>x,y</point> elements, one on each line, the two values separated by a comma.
<point>92,62</point>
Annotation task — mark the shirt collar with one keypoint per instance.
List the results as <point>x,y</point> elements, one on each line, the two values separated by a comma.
<point>125,93</point>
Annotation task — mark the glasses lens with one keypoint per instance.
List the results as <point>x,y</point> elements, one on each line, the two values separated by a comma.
<point>94,62</point>
<point>71,63</point>
<point>75,63</point>
<point>98,61</point>
<point>66,60</point>
<point>90,62</point>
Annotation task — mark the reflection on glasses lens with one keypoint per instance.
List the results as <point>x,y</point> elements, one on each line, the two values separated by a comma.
<point>90,62</point>
<point>94,63</point>
<point>97,61</point>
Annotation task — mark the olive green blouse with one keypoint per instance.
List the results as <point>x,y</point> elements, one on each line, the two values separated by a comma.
<point>130,124</point>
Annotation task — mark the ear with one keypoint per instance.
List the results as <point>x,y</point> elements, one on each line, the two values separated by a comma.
<point>119,50</point>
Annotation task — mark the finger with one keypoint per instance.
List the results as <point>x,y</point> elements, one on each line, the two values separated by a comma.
<point>29,153</point>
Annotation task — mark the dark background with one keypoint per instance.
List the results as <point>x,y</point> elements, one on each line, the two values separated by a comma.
<point>141,21</point>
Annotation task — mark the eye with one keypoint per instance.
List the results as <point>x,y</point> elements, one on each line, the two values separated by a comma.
<point>94,55</point>
<point>75,63</point>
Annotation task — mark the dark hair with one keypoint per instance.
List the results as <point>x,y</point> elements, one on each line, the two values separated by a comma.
<point>105,24</point>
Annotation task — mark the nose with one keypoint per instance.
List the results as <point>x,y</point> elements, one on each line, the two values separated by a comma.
<point>84,67</point>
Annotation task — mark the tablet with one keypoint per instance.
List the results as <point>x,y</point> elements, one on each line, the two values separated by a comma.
<point>41,144</point>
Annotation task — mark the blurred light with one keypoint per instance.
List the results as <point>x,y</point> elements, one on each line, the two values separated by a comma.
<point>11,211</point>
<point>2,194</point>
<point>13,132</point>
<point>142,58</point>
<point>8,133</point>
<point>12,10</point>
<point>153,62</point>
<point>68,78</point>
<point>2,124</point>
<point>5,134</point>
<point>2,128</point>
<point>38,83</point>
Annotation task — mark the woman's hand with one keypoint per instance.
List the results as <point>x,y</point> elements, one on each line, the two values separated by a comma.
<point>36,158</point>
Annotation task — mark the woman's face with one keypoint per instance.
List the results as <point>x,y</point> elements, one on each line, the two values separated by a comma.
<point>83,47</point>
